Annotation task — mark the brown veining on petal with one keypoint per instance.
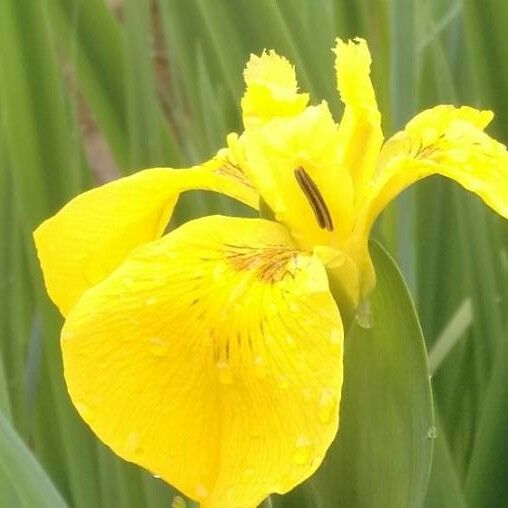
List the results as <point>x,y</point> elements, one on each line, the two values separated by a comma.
<point>315,199</point>
<point>270,264</point>
<point>233,171</point>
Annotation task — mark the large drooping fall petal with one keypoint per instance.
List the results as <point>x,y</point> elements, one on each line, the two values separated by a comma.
<point>92,234</point>
<point>213,358</point>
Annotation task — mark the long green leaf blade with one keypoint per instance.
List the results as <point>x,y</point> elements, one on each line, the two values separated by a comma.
<point>25,473</point>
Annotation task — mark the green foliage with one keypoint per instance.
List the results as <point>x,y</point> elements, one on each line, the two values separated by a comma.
<point>158,83</point>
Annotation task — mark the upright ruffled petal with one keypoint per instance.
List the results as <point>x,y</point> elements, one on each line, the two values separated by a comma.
<point>272,90</point>
<point>93,233</point>
<point>443,140</point>
<point>213,358</point>
<point>360,134</point>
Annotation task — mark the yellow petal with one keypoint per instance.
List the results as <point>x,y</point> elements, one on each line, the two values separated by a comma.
<point>360,134</point>
<point>272,89</point>
<point>448,141</point>
<point>213,358</point>
<point>93,233</point>
<point>296,165</point>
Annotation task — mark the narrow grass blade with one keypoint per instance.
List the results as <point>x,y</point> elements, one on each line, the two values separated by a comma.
<point>46,167</point>
<point>92,41</point>
<point>448,338</point>
<point>149,139</point>
<point>25,473</point>
<point>402,107</point>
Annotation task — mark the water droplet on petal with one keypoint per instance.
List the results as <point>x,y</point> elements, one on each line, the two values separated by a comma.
<point>156,476</point>
<point>327,405</point>
<point>290,341</point>
<point>132,444</point>
<point>364,315</point>
<point>218,272</point>
<point>307,394</point>
<point>128,282</point>
<point>133,320</point>
<point>224,373</point>
<point>336,336</point>
<point>229,493</point>
<point>432,432</point>
<point>83,409</point>
<point>458,156</point>
<point>201,491</point>
<point>66,335</point>
<point>158,346</point>
<point>260,367</point>
<point>282,382</point>
<point>303,450</point>
<point>269,339</point>
<point>248,473</point>
<point>429,134</point>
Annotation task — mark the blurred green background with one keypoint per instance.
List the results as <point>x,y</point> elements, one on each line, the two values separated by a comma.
<point>94,89</point>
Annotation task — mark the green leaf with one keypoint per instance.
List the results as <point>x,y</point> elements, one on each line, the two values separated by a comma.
<point>92,41</point>
<point>19,465</point>
<point>382,453</point>
<point>444,487</point>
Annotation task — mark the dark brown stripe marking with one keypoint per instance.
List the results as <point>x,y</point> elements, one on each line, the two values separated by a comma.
<point>315,199</point>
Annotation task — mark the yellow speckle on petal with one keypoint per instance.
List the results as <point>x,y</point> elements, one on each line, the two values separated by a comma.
<point>260,367</point>
<point>83,409</point>
<point>66,335</point>
<point>201,491</point>
<point>336,336</point>
<point>158,346</point>
<point>327,405</point>
<point>224,373</point>
<point>303,448</point>
<point>132,444</point>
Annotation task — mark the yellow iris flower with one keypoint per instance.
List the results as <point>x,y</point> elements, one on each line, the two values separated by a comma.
<point>212,355</point>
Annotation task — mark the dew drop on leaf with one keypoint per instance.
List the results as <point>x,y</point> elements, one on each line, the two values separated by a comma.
<point>178,502</point>
<point>432,432</point>
<point>364,315</point>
